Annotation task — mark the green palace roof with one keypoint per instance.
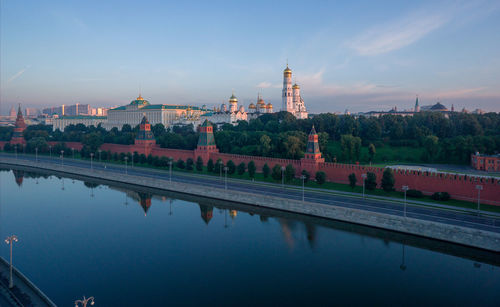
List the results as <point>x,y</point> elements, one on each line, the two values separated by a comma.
<point>160,106</point>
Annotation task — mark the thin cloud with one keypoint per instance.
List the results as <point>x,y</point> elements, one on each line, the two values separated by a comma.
<point>17,74</point>
<point>396,35</point>
<point>266,84</point>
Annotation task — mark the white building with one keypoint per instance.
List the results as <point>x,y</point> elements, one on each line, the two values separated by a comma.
<point>133,113</point>
<point>256,110</point>
<point>218,116</point>
<point>62,122</point>
<point>291,99</point>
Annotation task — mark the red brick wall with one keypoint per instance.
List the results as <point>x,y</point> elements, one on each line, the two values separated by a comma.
<point>459,186</point>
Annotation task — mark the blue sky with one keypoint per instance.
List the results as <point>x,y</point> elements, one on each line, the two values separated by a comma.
<point>356,55</point>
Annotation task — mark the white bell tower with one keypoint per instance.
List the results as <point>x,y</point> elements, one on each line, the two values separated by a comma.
<point>287,95</point>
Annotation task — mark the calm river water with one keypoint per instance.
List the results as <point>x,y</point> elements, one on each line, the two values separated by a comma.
<point>129,247</point>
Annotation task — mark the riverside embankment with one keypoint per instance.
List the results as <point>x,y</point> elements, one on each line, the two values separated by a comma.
<point>487,240</point>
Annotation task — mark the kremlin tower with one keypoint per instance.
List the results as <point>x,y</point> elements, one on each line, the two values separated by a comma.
<point>145,137</point>
<point>17,136</point>
<point>312,156</point>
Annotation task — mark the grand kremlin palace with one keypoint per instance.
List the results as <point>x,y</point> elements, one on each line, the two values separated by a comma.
<point>156,113</point>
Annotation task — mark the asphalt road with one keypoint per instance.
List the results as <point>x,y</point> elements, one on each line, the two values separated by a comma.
<point>382,206</point>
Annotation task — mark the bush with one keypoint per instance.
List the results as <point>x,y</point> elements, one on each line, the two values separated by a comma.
<point>371,181</point>
<point>388,180</point>
<point>289,172</point>
<point>276,174</point>
<point>199,164</point>
<point>320,177</point>
<point>251,169</point>
<point>189,164</point>
<point>352,180</point>
<point>241,168</point>
<point>210,165</point>
<point>180,164</point>
<point>414,193</point>
<point>266,170</point>
<point>231,167</point>
<point>441,196</point>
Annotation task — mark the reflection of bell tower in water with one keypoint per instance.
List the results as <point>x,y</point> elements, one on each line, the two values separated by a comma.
<point>18,176</point>
<point>207,212</point>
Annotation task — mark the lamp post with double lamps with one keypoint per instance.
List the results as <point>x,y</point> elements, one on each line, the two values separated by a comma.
<point>84,302</point>
<point>73,152</point>
<point>126,164</point>
<point>170,169</point>
<point>405,188</point>
<point>15,151</point>
<point>99,155</point>
<point>225,179</point>
<point>479,187</point>
<point>50,151</point>
<point>283,177</point>
<point>10,240</point>
<point>62,157</point>
<point>363,176</point>
<point>36,154</point>
<point>91,158</point>
<point>303,177</point>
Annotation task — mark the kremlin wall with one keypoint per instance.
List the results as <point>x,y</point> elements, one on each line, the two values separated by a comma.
<point>461,187</point>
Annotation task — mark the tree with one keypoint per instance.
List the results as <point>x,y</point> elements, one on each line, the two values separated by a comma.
<point>266,170</point>
<point>210,165</point>
<point>352,180</point>
<point>199,164</point>
<point>180,164</point>
<point>241,168</point>
<point>350,147</point>
<point>371,151</point>
<point>388,180</point>
<point>231,167</point>
<point>265,144</point>
<point>189,164</point>
<point>251,169</point>
<point>93,141</point>
<point>289,172</point>
<point>306,175</point>
<point>276,174</point>
<point>431,148</point>
<point>320,177</point>
<point>371,181</point>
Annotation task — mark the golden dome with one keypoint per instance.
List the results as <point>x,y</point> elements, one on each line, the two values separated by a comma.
<point>261,102</point>
<point>269,105</point>
<point>287,70</point>
<point>140,97</point>
<point>251,106</point>
<point>296,86</point>
<point>233,99</point>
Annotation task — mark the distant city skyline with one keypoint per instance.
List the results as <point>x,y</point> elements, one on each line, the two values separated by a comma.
<point>358,56</point>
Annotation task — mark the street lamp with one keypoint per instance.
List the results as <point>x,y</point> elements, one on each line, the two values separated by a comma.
<point>15,150</point>
<point>36,154</point>
<point>85,301</point>
<point>50,151</point>
<point>126,159</point>
<point>91,157</point>
<point>73,152</point>
<point>479,188</point>
<point>363,176</point>
<point>405,188</point>
<point>99,155</point>
<point>225,180</point>
<point>62,157</point>
<point>283,177</point>
<point>303,177</point>
<point>170,170</point>
<point>10,240</point>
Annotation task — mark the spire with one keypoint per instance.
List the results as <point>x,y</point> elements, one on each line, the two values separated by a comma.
<point>313,131</point>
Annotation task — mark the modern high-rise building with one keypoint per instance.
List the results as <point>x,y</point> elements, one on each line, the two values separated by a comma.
<point>291,99</point>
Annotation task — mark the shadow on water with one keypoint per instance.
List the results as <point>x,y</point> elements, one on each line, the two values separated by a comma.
<point>143,196</point>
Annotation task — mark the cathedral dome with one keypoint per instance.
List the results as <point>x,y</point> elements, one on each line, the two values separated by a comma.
<point>287,70</point>
<point>296,86</point>
<point>269,106</point>
<point>233,99</point>
<point>251,106</point>
<point>139,101</point>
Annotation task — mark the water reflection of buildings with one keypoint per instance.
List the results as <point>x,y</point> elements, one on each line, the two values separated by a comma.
<point>207,212</point>
<point>18,176</point>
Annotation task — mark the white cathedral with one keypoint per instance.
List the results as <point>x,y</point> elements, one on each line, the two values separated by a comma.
<point>291,100</point>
